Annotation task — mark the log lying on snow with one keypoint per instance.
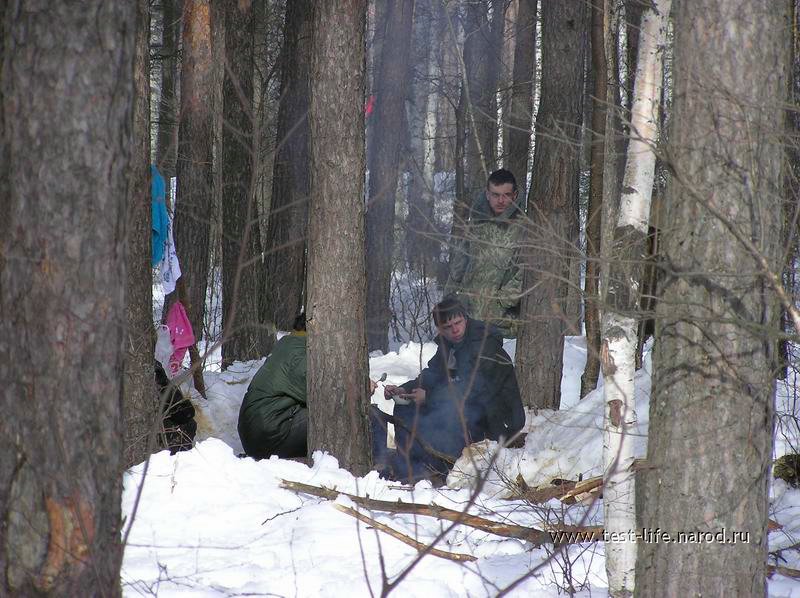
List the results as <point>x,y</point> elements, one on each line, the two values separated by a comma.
<point>556,534</point>
<point>537,537</point>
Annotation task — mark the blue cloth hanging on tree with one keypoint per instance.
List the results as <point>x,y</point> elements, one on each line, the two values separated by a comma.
<point>159,213</point>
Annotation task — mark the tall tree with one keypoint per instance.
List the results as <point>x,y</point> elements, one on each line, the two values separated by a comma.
<point>711,411</point>
<point>337,345</point>
<point>552,206</point>
<point>167,140</point>
<point>67,94</point>
<point>619,330</point>
<point>477,106</point>
<point>285,243</point>
<point>390,90</point>
<point>140,405</point>
<point>599,99</point>
<point>194,202</point>
<point>241,236</point>
<point>421,245</point>
<point>521,113</point>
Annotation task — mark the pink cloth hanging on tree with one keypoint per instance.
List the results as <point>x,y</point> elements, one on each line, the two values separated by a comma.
<point>180,333</point>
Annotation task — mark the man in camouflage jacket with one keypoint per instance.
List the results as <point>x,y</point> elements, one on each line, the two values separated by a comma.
<point>484,273</point>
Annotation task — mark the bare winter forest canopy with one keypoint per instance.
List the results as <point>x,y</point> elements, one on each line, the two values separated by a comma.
<point>332,158</point>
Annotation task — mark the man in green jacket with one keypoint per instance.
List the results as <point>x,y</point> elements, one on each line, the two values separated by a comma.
<point>273,419</point>
<point>484,272</point>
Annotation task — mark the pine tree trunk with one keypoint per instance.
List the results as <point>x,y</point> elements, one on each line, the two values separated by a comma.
<point>241,237</point>
<point>391,81</point>
<point>337,345</point>
<point>521,113</point>
<point>285,243</point>
<point>620,320</point>
<point>167,141</point>
<point>711,411</point>
<point>599,94</point>
<point>139,399</point>
<point>552,207</point>
<point>194,204</point>
<point>63,180</point>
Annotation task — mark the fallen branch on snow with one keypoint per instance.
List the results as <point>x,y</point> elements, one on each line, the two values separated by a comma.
<point>444,554</point>
<point>535,536</point>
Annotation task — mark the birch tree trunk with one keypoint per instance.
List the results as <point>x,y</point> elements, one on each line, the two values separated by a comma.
<point>337,345</point>
<point>619,322</point>
<point>711,411</point>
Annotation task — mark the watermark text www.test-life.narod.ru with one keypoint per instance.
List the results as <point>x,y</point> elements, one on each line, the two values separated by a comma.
<point>655,536</point>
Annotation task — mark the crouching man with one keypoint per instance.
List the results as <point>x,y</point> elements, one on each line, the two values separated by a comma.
<point>273,418</point>
<point>467,393</point>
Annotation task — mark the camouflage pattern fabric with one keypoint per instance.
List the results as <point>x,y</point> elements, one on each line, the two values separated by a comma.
<point>485,273</point>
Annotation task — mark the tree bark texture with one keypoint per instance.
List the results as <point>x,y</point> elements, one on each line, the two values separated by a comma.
<point>599,35</point>
<point>140,399</point>
<point>633,24</point>
<point>338,400</point>
<point>711,411</point>
<point>614,149</point>
<point>422,241</point>
<point>285,244</point>
<point>67,99</point>
<point>167,141</point>
<point>194,204</point>
<point>619,331</point>
<point>551,245</point>
<point>482,49</point>
<point>524,80</point>
<point>391,82</point>
<point>241,237</point>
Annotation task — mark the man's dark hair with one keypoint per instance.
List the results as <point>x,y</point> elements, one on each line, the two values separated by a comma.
<point>447,309</point>
<point>299,322</point>
<point>501,177</point>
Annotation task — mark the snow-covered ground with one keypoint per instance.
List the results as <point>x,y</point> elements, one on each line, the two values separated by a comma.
<point>211,524</point>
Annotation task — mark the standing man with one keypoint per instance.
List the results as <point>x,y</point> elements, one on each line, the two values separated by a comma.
<point>484,273</point>
<point>467,393</point>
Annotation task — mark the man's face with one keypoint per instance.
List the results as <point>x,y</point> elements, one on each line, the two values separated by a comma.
<point>453,330</point>
<point>500,197</point>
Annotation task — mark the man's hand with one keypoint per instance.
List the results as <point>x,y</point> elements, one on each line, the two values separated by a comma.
<point>391,390</point>
<point>417,395</point>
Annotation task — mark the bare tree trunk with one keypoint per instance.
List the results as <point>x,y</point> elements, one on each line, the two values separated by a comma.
<point>552,207</point>
<point>285,244</point>
<point>391,82</point>
<point>338,400</point>
<point>634,10</point>
<point>194,204</point>
<point>139,399</point>
<point>711,411</point>
<point>421,243</point>
<point>620,320</point>
<point>167,141</point>
<point>63,178</point>
<point>599,35</point>
<point>791,219</point>
<point>241,237</point>
<point>521,113</point>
